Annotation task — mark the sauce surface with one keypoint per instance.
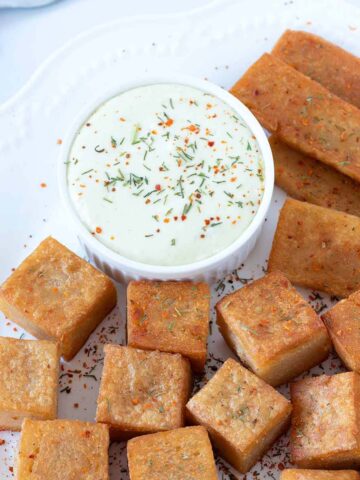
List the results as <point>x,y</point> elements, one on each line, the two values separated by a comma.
<point>165,174</point>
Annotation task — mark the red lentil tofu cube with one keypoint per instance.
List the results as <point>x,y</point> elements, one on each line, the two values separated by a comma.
<point>272,329</point>
<point>295,474</point>
<point>325,423</point>
<point>29,371</point>
<point>181,454</point>
<point>142,391</point>
<point>63,449</point>
<point>317,248</point>
<point>277,95</point>
<point>330,65</point>
<point>56,295</point>
<point>242,414</point>
<point>343,323</point>
<point>171,317</point>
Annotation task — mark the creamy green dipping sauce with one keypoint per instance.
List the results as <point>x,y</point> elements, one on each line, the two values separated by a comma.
<point>165,174</point>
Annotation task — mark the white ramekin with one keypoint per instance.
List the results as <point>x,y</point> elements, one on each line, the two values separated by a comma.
<point>123,269</point>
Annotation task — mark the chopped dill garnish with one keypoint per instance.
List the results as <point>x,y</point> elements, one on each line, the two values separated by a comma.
<point>135,137</point>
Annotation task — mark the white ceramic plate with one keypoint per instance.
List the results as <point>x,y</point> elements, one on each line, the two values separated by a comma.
<point>218,42</point>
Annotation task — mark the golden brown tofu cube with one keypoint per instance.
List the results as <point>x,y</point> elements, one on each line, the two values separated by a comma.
<point>335,68</point>
<point>66,449</point>
<point>325,424</point>
<point>142,391</point>
<point>302,113</point>
<point>56,295</point>
<point>29,371</point>
<point>306,179</point>
<point>294,474</point>
<point>317,248</point>
<point>242,414</point>
<point>171,317</point>
<point>272,329</point>
<point>343,323</point>
<point>180,454</point>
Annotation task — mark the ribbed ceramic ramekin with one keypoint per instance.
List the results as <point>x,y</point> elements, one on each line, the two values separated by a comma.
<point>123,269</point>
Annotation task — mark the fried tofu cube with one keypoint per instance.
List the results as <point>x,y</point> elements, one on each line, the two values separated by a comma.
<point>305,178</point>
<point>335,68</point>
<point>325,425</point>
<point>343,323</point>
<point>302,113</point>
<point>29,372</point>
<point>67,449</point>
<point>56,295</point>
<point>184,453</point>
<point>272,329</point>
<point>294,474</point>
<point>317,248</point>
<point>242,414</point>
<point>151,394</point>
<point>171,317</point>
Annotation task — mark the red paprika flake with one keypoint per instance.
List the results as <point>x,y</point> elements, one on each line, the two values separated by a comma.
<point>158,187</point>
<point>98,230</point>
<point>211,143</point>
